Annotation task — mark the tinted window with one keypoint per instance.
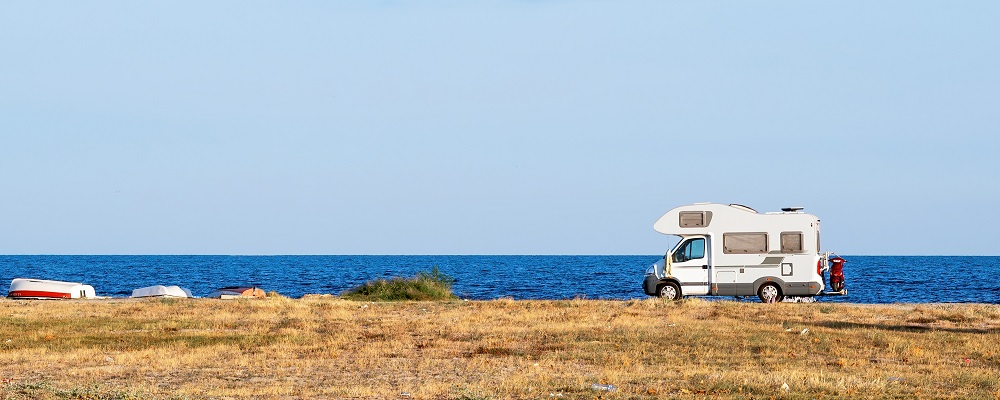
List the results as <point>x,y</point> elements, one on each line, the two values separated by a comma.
<point>791,242</point>
<point>692,219</point>
<point>744,243</point>
<point>690,250</point>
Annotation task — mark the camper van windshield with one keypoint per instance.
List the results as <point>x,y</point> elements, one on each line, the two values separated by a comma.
<point>690,250</point>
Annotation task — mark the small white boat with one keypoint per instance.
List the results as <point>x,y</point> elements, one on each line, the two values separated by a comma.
<point>161,291</point>
<point>235,292</point>
<point>21,288</point>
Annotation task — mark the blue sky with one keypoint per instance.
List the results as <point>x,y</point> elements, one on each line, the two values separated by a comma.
<point>502,127</point>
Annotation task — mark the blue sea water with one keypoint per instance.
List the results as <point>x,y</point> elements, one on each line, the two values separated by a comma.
<point>870,279</point>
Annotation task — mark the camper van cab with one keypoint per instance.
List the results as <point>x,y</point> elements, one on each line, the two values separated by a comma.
<point>732,250</point>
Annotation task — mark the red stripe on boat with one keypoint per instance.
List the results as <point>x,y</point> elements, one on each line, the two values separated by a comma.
<point>38,293</point>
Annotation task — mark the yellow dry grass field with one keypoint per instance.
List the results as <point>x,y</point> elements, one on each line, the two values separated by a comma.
<point>326,347</point>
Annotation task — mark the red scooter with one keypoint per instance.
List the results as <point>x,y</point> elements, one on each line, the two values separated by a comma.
<point>837,273</point>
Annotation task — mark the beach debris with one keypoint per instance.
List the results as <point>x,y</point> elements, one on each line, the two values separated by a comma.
<point>894,379</point>
<point>603,387</point>
<point>784,386</point>
<point>672,325</point>
<point>555,395</point>
<point>804,332</point>
<point>405,394</point>
<point>108,359</point>
<point>799,299</point>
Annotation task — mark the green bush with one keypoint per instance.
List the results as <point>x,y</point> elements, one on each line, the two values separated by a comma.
<point>433,285</point>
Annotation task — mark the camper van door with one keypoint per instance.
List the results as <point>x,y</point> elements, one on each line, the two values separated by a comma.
<point>690,265</point>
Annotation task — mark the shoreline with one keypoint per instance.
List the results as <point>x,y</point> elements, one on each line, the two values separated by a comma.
<point>327,296</point>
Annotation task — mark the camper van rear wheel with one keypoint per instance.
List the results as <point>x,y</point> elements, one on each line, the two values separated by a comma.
<point>769,293</point>
<point>669,291</point>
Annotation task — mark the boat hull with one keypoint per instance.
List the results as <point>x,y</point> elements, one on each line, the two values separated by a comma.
<point>21,288</point>
<point>161,291</point>
<point>237,292</point>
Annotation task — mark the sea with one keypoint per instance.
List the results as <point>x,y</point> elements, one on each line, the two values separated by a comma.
<point>869,279</point>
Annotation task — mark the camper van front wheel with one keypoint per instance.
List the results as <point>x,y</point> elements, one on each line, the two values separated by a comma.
<point>769,293</point>
<point>669,291</point>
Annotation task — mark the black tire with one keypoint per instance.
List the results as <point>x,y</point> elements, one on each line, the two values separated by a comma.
<point>770,293</point>
<point>669,291</point>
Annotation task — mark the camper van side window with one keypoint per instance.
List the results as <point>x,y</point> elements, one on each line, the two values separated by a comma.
<point>791,242</point>
<point>691,250</point>
<point>744,243</point>
<point>695,219</point>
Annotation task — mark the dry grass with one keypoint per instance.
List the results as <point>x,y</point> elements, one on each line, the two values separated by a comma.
<point>332,348</point>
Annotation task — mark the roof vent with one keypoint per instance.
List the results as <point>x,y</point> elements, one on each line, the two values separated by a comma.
<point>743,207</point>
<point>792,209</point>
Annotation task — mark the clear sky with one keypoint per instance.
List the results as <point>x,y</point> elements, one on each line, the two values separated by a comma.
<point>492,127</point>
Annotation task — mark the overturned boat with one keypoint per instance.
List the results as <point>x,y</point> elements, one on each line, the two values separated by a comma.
<point>21,288</point>
<point>161,291</point>
<point>236,292</point>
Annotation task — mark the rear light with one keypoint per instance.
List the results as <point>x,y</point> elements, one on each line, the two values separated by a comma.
<point>819,267</point>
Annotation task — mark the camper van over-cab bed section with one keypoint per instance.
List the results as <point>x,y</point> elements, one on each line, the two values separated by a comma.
<point>786,231</point>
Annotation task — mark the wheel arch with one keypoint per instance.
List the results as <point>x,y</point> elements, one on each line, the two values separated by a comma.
<point>664,281</point>
<point>677,284</point>
<point>769,279</point>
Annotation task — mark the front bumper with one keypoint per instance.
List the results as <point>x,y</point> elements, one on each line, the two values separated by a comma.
<point>649,285</point>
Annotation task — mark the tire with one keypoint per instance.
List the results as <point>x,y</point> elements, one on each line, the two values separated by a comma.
<point>669,291</point>
<point>770,293</point>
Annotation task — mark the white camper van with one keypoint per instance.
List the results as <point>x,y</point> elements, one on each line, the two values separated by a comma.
<point>732,250</point>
